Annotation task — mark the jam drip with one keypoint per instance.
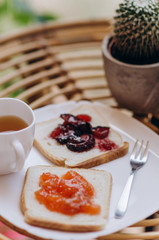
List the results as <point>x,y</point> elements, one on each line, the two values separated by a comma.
<point>71,194</point>
<point>78,135</point>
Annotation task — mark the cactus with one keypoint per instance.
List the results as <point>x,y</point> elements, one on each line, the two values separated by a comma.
<point>136,32</point>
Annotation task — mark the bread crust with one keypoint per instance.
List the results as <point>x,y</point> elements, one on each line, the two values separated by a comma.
<point>64,225</point>
<point>22,198</point>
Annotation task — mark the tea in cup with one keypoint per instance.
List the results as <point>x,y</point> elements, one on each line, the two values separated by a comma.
<point>17,127</point>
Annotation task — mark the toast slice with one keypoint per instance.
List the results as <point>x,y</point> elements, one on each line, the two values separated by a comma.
<point>37,214</point>
<point>62,156</point>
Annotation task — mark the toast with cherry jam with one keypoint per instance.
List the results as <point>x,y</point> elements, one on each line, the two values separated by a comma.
<point>81,138</point>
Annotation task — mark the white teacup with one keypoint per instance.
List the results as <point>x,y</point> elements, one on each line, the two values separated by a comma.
<point>15,145</point>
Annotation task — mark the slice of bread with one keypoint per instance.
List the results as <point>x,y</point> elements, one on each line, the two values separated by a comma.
<point>62,156</point>
<point>37,214</point>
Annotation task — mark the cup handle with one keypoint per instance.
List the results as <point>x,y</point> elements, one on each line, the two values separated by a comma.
<point>20,156</point>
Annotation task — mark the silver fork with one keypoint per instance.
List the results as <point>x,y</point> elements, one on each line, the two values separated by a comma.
<point>137,160</point>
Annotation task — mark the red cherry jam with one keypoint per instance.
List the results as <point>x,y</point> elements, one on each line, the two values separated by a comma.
<point>100,132</point>
<point>105,144</point>
<point>84,117</point>
<point>77,133</point>
<point>71,194</point>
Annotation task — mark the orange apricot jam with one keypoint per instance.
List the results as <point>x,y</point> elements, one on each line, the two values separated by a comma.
<point>71,194</point>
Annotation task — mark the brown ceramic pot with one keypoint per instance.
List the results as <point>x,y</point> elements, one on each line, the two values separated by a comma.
<point>135,87</point>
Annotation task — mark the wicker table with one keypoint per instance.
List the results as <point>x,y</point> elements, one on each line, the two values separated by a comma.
<point>58,62</point>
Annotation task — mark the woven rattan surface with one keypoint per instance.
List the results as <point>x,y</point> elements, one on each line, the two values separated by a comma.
<point>58,62</point>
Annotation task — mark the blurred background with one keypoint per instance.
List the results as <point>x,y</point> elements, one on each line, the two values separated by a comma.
<point>15,14</point>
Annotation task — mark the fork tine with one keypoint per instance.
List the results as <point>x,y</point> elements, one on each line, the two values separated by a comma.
<point>140,150</point>
<point>145,155</point>
<point>134,149</point>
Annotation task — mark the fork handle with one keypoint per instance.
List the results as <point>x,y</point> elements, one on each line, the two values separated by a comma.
<point>123,201</point>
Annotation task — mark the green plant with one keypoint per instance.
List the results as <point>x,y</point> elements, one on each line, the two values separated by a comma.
<point>136,32</point>
<point>18,13</point>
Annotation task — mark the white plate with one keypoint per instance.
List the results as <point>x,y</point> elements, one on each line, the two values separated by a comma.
<point>144,199</point>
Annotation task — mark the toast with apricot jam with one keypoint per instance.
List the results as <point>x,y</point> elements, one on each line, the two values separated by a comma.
<point>81,138</point>
<point>66,199</point>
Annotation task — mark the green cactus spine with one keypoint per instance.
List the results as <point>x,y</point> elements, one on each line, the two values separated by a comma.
<point>136,31</point>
